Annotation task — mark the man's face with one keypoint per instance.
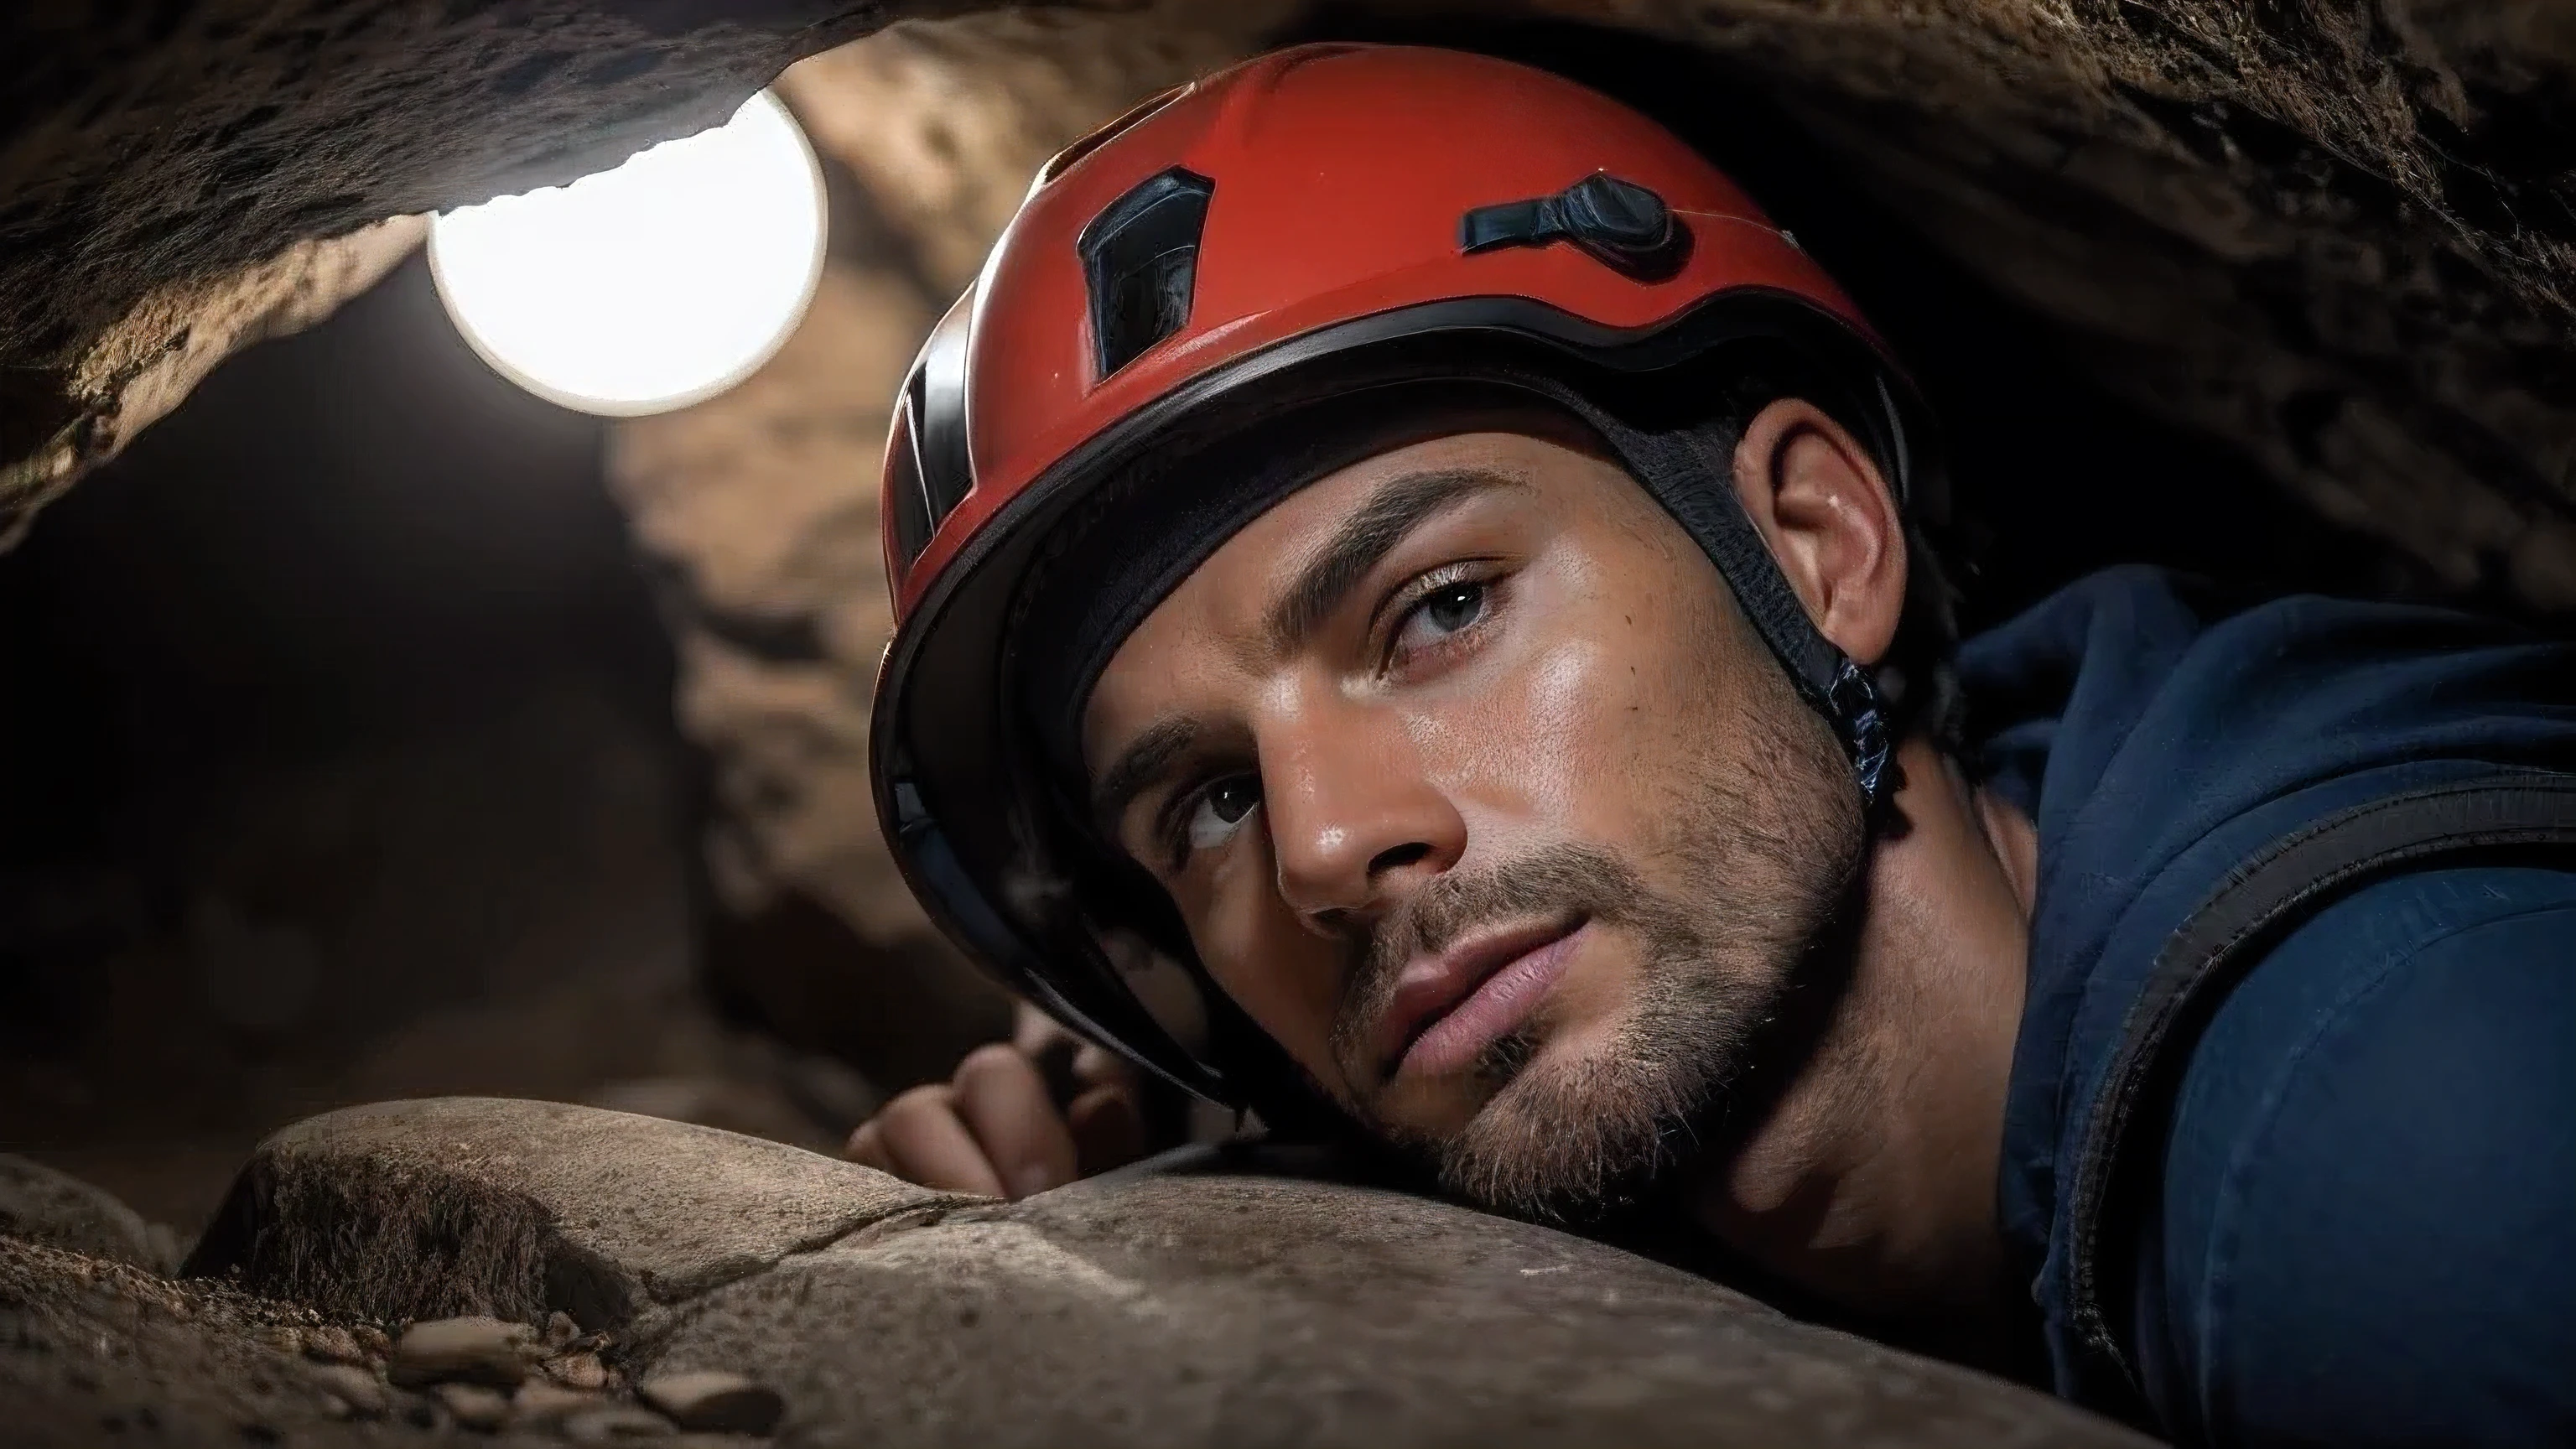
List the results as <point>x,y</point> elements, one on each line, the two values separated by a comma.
<point>1478,794</point>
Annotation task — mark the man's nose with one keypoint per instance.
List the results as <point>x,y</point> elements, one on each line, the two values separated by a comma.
<point>1355,820</point>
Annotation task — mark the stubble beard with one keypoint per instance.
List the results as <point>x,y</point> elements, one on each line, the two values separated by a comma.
<point>1774,831</point>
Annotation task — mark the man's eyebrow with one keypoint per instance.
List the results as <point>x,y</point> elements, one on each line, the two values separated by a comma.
<point>1145,760</point>
<point>1399,506</point>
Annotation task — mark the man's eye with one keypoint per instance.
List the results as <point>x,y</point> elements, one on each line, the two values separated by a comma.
<point>1219,809</point>
<point>1442,612</point>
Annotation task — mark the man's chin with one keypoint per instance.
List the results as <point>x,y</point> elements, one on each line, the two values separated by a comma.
<point>1566,1140</point>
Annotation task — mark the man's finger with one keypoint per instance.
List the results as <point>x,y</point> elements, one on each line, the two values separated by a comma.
<point>1108,1130</point>
<point>925,1142</point>
<point>1004,1102</point>
<point>866,1147</point>
<point>1032,1030</point>
<point>1096,1067</point>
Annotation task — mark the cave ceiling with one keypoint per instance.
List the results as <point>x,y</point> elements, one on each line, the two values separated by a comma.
<point>2337,239</point>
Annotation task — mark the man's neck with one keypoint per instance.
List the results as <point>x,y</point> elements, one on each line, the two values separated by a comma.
<point>1871,1182</point>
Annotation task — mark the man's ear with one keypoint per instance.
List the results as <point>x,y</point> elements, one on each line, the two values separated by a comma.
<point>1821,504</point>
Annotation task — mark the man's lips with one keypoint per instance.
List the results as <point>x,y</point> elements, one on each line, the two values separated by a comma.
<point>1447,1008</point>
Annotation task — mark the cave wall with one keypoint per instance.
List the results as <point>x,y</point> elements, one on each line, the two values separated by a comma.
<point>2337,237</point>
<point>177,181</point>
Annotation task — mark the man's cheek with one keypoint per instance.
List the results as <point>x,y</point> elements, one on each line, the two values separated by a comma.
<point>1594,999</point>
<point>1282,976</point>
<point>1566,737</point>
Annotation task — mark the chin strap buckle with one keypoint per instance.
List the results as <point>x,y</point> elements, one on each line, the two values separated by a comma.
<point>1860,717</point>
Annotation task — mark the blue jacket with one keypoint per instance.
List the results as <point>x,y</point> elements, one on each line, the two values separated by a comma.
<point>2350,1215</point>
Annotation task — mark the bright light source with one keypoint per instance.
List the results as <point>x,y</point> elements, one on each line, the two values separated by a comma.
<point>650,286</point>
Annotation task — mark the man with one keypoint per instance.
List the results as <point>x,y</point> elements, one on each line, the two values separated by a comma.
<point>1415,616</point>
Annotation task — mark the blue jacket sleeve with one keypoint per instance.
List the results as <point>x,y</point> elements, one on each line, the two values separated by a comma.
<point>2367,1229</point>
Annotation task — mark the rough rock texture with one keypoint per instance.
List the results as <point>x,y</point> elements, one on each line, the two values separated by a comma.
<point>162,169</point>
<point>2338,236</point>
<point>40,1205</point>
<point>943,124</point>
<point>95,1352</point>
<point>1204,1303</point>
<point>512,1209</point>
<point>2341,237</point>
<point>63,414</point>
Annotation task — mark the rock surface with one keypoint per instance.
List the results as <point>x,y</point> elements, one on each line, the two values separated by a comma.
<point>41,1205</point>
<point>180,181</point>
<point>1206,1302</point>
<point>97,1352</point>
<point>471,1349</point>
<point>714,1401</point>
<point>458,1206</point>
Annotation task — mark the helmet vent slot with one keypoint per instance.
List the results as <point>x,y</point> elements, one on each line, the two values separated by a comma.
<point>1140,261</point>
<point>932,468</point>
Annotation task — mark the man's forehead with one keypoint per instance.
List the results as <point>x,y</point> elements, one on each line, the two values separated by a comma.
<point>1287,537</point>
<point>1226,600</point>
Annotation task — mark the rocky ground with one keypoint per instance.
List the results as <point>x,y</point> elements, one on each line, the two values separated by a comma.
<point>472,1271</point>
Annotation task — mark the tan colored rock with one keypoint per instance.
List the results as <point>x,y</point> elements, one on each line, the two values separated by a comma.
<point>539,1404</point>
<point>470,1349</point>
<point>582,1371</point>
<point>358,1392</point>
<point>474,1406</point>
<point>1202,1300</point>
<point>945,122</point>
<point>715,1402</point>
<point>331,1343</point>
<point>507,1210</point>
<point>615,1423</point>
<point>144,362</point>
<point>42,1205</point>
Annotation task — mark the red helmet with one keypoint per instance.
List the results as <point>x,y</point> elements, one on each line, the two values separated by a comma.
<point>1321,229</point>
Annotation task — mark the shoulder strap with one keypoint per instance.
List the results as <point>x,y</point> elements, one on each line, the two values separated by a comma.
<point>2511,809</point>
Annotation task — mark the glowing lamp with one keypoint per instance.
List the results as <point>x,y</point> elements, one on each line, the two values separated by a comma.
<point>650,286</point>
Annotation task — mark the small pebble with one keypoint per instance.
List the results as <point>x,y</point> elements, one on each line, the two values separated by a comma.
<point>719,1402</point>
<point>581,1371</point>
<point>356,1389</point>
<point>538,1404</point>
<point>615,1422</point>
<point>474,1406</point>
<point>372,1339</point>
<point>461,1350</point>
<point>333,1344</point>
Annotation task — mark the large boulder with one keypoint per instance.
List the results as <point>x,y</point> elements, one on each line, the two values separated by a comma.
<point>1209,1301</point>
<point>513,1209</point>
<point>40,1205</point>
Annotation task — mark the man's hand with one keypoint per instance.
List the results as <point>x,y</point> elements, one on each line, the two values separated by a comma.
<point>1016,1118</point>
